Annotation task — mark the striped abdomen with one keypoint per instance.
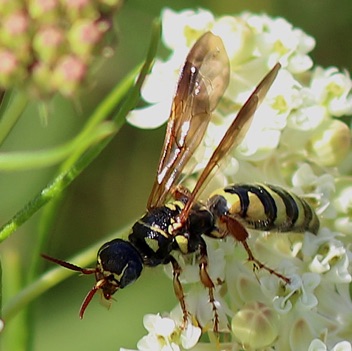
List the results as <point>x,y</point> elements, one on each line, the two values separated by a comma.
<point>265,207</point>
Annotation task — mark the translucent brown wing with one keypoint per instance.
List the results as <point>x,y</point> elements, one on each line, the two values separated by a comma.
<point>202,82</point>
<point>233,136</point>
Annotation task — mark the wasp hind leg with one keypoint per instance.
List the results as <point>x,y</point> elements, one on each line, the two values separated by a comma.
<point>239,232</point>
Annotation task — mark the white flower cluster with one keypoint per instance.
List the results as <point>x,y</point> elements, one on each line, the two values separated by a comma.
<point>298,141</point>
<point>165,335</point>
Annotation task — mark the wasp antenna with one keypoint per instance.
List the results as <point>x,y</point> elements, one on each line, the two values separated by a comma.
<point>88,298</point>
<point>68,265</point>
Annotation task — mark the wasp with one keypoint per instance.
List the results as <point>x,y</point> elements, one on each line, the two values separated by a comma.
<point>175,219</point>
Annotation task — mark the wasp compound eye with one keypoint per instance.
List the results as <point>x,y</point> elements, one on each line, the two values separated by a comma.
<point>119,264</point>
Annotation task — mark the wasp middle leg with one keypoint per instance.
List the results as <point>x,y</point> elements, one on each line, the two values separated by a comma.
<point>208,283</point>
<point>178,289</point>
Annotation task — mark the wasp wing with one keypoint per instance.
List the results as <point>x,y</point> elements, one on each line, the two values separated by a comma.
<point>233,136</point>
<point>202,82</point>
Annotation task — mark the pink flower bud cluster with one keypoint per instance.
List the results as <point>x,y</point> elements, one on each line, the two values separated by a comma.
<point>47,46</point>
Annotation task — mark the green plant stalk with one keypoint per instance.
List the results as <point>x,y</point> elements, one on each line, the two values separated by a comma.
<point>72,168</point>
<point>11,113</point>
<point>1,285</point>
<point>16,332</point>
<point>25,160</point>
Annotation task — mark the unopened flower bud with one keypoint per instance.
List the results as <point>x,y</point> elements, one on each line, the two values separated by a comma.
<point>255,325</point>
<point>115,4</point>
<point>9,6</point>
<point>68,74</point>
<point>76,9</point>
<point>14,33</point>
<point>46,11</point>
<point>331,144</point>
<point>42,78</point>
<point>48,43</point>
<point>11,69</point>
<point>84,36</point>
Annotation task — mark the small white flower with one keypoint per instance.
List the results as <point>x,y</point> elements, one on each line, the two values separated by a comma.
<point>332,89</point>
<point>182,29</point>
<point>343,201</point>
<point>318,345</point>
<point>164,76</point>
<point>331,143</point>
<point>318,188</point>
<point>190,336</point>
<point>343,205</point>
<point>278,39</point>
<point>301,287</point>
<point>158,325</point>
<point>344,224</point>
<point>309,282</point>
<point>165,335</point>
<point>237,37</point>
<point>321,263</point>
<point>307,118</point>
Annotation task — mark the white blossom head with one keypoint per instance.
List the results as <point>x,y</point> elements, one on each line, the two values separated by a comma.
<point>298,141</point>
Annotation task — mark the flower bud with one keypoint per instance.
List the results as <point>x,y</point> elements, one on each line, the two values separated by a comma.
<point>48,43</point>
<point>42,79</point>
<point>80,9</point>
<point>44,11</point>
<point>68,74</point>
<point>11,69</point>
<point>84,36</point>
<point>255,325</point>
<point>111,4</point>
<point>331,144</point>
<point>9,6</point>
<point>14,33</point>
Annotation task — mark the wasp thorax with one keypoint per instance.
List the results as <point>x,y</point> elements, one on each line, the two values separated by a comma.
<point>153,235</point>
<point>119,264</point>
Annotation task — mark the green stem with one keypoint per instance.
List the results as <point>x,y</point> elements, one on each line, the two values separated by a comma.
<point>11,114</point>
<point>24,160</point>
<point>16,335</point>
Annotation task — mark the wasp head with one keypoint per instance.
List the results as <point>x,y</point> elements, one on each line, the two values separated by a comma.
<point>118,265</point>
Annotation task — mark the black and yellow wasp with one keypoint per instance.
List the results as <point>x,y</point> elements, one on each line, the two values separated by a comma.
<point>175,219</point>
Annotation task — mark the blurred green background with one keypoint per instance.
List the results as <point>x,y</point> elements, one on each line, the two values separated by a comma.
<point>113,190</point>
